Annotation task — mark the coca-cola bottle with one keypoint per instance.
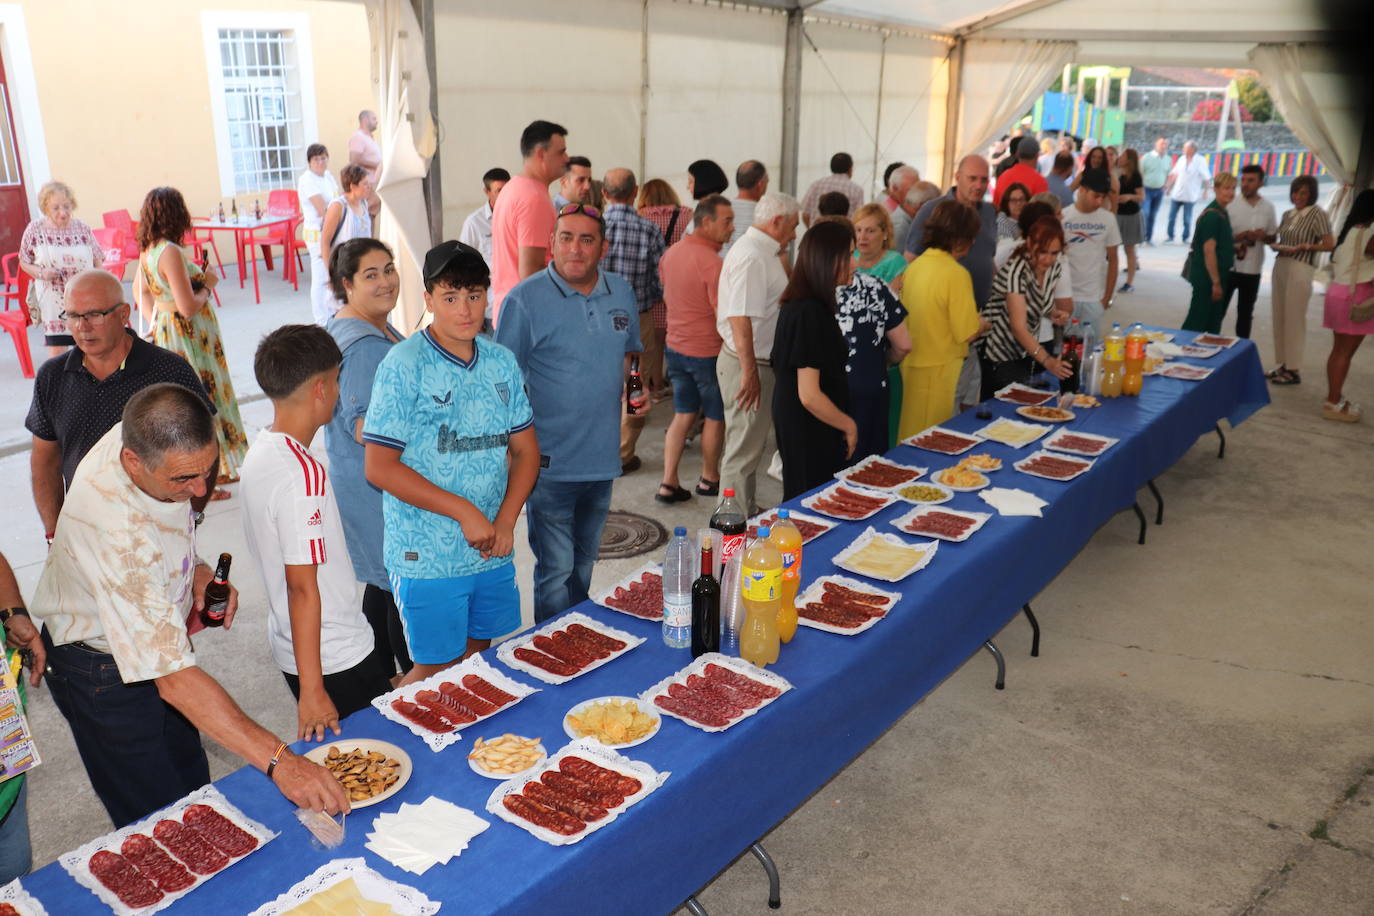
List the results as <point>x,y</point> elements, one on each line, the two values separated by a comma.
<point>635,398</point>
<point>729,519</point>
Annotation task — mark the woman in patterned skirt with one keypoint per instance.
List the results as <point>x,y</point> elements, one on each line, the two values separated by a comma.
<point>1304,233</point>
<point>54,248</point>
<point>182,320</point>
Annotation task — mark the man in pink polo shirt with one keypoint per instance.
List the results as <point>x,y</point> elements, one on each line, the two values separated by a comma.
<point>691,277</point>
<point>523,218</point>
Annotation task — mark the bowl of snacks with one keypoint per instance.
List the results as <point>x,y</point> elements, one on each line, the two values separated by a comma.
<point>506,756</point>
<point>961,479</point>
<point>616,722</point>
<point>927,493</point>
<point>370,771</point>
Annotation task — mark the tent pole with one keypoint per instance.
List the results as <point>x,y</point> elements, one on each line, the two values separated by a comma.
<point>434,196</point>
<point>878,118</point>
<point>953,98</point>
<point>791,100</point>
<point>643,89</point>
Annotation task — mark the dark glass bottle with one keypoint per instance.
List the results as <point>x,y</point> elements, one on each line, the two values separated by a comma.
<point>217,594</point>
<point>705,606</point>
<point>635,398</point>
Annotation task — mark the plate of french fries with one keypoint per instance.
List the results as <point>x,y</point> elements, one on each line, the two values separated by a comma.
<point>370,771</point>
<point>506,756</point>
<point>617,722</point>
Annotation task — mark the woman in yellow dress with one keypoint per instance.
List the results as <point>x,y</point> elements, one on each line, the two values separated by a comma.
<point>183,322</point>
<point>942,317</point>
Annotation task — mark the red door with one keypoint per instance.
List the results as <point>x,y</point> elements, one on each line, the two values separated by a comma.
<point>14,203</point>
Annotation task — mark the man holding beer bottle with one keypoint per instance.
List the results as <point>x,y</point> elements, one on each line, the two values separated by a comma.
<point>120,595</point>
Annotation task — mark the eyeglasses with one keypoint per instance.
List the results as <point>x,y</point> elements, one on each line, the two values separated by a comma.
<point>94,319</point>
<point>570,209</point>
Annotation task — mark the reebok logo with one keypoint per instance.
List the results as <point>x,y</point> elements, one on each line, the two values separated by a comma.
<point>315,519</point>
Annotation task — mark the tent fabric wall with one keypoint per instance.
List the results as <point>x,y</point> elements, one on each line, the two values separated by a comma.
<point>1001,81</point>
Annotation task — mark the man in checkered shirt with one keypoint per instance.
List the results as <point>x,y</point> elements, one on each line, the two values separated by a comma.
<point>633,247</point>
<point>841,178</point>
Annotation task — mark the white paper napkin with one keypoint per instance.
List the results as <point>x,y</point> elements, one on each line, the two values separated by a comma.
<point>1012,502</point>
<point>1163,350</point>
<point>418,837</point>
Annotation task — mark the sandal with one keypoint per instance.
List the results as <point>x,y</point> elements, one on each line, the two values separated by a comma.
<point>1274,374</point>
<point>1289,377</point>
<point>708,487</point>
<point>1342,412</point>
<point>674,494</point>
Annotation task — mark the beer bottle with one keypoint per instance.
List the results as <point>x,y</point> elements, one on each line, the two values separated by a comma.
<point>635,399</point>
<point>217,594</point>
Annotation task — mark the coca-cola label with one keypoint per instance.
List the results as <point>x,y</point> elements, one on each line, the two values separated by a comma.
<point>730,544</point>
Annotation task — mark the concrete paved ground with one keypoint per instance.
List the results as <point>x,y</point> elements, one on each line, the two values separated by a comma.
<point>1196,737</point>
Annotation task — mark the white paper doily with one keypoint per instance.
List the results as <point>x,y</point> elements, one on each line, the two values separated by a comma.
<point>698,666</point>
<point>402,898</point>
<point>15,895</point>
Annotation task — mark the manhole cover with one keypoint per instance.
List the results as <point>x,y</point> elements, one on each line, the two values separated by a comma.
<point>629,535</point>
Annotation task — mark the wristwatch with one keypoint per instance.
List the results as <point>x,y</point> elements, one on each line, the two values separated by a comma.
<point>8,612</point>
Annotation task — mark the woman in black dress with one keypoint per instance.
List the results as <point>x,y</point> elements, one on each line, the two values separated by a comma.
<point>815,434</point>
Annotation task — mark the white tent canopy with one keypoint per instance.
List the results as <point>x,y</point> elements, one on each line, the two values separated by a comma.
<point>656,84</point>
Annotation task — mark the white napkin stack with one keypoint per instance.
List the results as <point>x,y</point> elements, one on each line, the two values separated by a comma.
<point>1163,350</point>
<point>1012,502</point>
<point>420,836</point>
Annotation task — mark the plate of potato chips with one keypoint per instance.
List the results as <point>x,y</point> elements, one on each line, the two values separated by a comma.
<point>617,722</point>
<point>506,756</point>
<point>370,771</point>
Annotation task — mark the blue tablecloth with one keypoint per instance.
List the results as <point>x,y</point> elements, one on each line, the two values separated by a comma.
<point>728,788</point>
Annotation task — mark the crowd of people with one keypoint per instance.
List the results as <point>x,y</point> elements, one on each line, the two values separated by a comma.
<point>393,559</point>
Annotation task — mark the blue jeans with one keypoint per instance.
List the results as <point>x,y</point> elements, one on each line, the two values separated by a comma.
<point>16,854</point>
<point>1187,206</point>
<point>1150,209</point>
<point>140,753</point>
<point>565,523</point>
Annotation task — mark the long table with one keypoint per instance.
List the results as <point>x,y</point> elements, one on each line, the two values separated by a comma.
<point>727,789</point>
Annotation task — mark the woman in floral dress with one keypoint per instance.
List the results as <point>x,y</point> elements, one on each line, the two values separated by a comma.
<point>54,248</point>
<point>183,322</point>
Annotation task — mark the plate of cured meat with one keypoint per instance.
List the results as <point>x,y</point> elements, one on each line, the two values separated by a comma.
<point>1016,393</point>
<point>850,504</point>
<point>640,594</point>
<point>1215,340</point>
<point>147,866</point>
<point>580,789</point>
<point>880,474</point>
<point>944,441</point>
<point>1077,443</point>
<point>436,708</point>
<point>564,648</point>
<point>1195,352</point>
<point>839,604</point>
<point>1051,466</point>
<point>953,525</point>
<point>715,691</point>
<point>810,526</point>
<point>15,901</point>
<point>1186,372</point>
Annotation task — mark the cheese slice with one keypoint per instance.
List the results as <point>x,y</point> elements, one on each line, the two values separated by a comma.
<point>343,899</point>
<point>884,560</point>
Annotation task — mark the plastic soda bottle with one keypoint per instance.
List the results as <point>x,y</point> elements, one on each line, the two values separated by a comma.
<point>1134,378</point>
<point>1113,361</point>
<point>761,586</point>
<point>730,521</point>
<point>787,538</point>
<point>678,573</point>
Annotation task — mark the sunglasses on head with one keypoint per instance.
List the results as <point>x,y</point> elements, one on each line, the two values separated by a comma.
<point>586,210</point>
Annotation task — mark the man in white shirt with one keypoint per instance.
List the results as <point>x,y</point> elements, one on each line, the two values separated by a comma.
<point>899,185</point>
<point>1093,239</point>
<point>120,595</point>
<point>364,151</point>
<point>1186,185</point>
<point>841,178</point>
<point>1253,225</point>
<point>752,180</point>
<point>476,231</point>
<point>752,281</point>
<point>316,188</point>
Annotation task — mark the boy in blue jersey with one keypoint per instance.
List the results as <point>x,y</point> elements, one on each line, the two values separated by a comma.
<point>447,413</point>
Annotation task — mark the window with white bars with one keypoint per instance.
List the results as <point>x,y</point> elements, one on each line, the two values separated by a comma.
<point>9,159</point>
<point>260,76</point>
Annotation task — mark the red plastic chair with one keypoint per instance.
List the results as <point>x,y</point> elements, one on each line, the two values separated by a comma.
<point>120,219</point>
<point>16,322</point>
<point>283,203</point>
<point>112,243</point>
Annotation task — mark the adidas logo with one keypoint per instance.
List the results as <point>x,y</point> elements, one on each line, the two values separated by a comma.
<point>315,519</point>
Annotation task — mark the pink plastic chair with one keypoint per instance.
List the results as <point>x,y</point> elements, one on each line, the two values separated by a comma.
<point>16,322</point>
<point>120,219</point>
<point>112,243</point>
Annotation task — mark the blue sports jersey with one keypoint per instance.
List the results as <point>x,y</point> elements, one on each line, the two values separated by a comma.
<point>451,420</point>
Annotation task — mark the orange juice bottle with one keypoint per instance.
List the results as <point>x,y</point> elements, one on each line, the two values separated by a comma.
<point>787,538</point>
<point>761,588</point>
<point>1134,379</point>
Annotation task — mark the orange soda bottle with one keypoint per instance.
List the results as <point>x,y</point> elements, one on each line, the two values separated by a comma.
<point>1134,378</point>
<point>761,588</point>
<point>1113,361</point>
<point>788,539</point>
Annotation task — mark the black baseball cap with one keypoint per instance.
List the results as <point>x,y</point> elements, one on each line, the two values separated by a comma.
<point>1093,179</point>
<point>452,254</point>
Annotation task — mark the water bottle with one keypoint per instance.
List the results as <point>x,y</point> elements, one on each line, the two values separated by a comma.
<point>678,572</point>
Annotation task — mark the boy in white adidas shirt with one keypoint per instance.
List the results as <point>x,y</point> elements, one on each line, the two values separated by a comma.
<point>316,628</point>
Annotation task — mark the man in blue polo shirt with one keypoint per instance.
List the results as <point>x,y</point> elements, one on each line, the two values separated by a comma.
<point>572,328</point>
<point>447,413</point>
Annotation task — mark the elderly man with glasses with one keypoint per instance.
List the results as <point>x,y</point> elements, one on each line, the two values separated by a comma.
<point>79,395</point>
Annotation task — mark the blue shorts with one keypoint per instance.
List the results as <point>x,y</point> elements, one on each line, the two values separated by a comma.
<point>439,616</point>
<point>694,385</point>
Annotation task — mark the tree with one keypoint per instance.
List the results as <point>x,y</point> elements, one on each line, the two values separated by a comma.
<point>1256,99</point>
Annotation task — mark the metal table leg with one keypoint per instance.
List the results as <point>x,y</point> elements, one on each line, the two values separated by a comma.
<point>1001,664</point>
<point>1159,513</point>
<point>774,883</point>
<point>693,906</point>
<point>1035,630</point>
<point>1140,514</point>
<point>1221,452</point>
